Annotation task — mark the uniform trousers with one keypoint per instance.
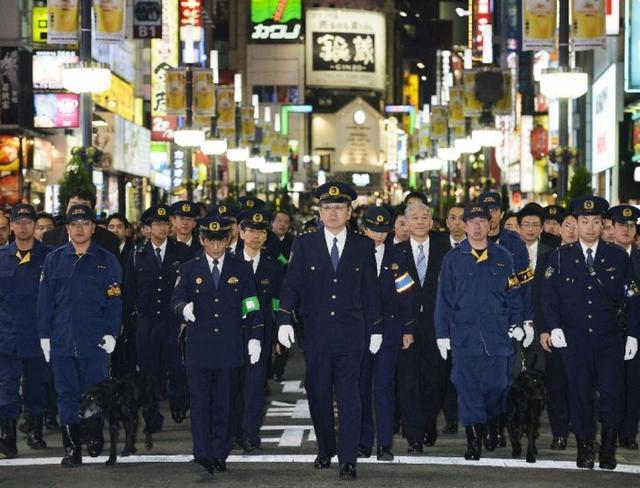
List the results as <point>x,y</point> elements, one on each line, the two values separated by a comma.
<point>325,372</point>
<point>34,387</point>
<point>557,396</point>
<point>629,426</point>
<point>73,376</point>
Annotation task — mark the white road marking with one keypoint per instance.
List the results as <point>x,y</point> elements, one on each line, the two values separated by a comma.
<point>308,458</point>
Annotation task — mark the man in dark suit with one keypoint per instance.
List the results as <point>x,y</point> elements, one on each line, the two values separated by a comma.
<point>117,223</point>
<point>183,220</point>
<point>59,237</point>
<point>422,373</point>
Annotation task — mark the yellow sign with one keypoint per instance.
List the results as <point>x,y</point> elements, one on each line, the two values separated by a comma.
<point>504,106</point>
<point>539,24</point>
<point>226,107</point>
<point>62,21</point>
<point>204,96</point>
<point>248,124</point>
<point>39,24</point>
<point>439,122</point>
<point>109,17</point>
<point>472,105</point>
<point>411,90</point>
<point>164,54</point>
<point>456,106</point>
<point>118,98</point>
<point>588,24</point>
<point>176,90</point>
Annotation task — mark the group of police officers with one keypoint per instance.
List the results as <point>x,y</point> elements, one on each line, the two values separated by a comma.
<point>396,324</point>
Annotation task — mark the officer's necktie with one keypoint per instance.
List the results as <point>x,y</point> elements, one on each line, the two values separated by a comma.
<point>335,255</point>
<point>589,257</point>
<point>159,256</point>
<point>421,265</point>
<point>215,273</point>
<point>252,268</point>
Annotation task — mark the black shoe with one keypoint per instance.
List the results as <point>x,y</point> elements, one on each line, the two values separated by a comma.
<point>415,447</point>
<point>51,423</point>
<point>607,454</point>
<point>8,440</point>
<point>491,438</point>
<point>559,443</point>
<point>24,425</point>
<point>385,454</point>
<point>364,452</point>
<point>178,415</point>
<point>322,462</point>
<point>156,424</point>
<point>500,437</point>
<point>348,471</point>
<point>34,436</point>
<point>586,457</point>
<point>627,443</point>
<point>430,438</point>
<point>450,429</point>
<point>205,463</point>
<point>219,464</point>
<point>71,443</point>
<point>475,435</point>
<point>93,436</point>
<point>250,449</point>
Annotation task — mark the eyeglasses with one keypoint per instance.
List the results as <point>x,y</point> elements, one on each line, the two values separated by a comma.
<point>334,208</point>
<point>530,225</point>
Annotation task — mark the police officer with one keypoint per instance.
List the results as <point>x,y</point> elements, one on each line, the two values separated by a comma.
<point>551,231</point>
<point>379,370</point>
<point>624,219</point>
<point>331,281</point>
<point>21,263</point>
<point>268,273</point>
<point>151,273</point>
<point>272,244</point>
<point>586,286</point>
<point>478,312</point>
<point>518,249</point>
<point>183,220</point>
<point>231,212</point>
<point>79,312</point>
<point>215,293</point>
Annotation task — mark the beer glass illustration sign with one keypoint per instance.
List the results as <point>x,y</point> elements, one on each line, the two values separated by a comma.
<point>588,24</point>
<point>539,25</point>
<point>109,20</point>
<point>62,16</point>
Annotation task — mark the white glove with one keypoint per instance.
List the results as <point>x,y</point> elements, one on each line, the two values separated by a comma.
<point>557,339</point>
<point>254,350</point>
<point>630,348</point>
<point>286,336</point>
<point>444,345</point>
<point>187,312</point>
<point>108,343</point>
<point>516,332</point>
<point>529,333</point>
<point>45,345</point>
<point>376,342</point>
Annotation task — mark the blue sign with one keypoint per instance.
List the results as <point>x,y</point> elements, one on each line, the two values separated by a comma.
<point>632,46</point>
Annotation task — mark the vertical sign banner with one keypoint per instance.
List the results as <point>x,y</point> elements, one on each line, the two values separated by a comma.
<point>109,20</point>
<point>9,86</point>
<point>204,95</point>
<point>632,46</point>
<point>190,18</point>
<point>456,106</point>
<point>62,21</point>
<point>526,159</point>
<point>604,138</point>
<point>275,21</point>
<point>472,106</point>
<point>539,25</point>
<point>588,24</point>
<point>481,21</point>
<point>439,125</point>
<point>176,91</point>
<point>226,107</point>
<point>147,19</point>
<point>248,124</point>
<point>613,17</point>
<point>512,24</point>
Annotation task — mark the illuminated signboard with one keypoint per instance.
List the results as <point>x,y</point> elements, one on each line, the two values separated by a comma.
<point>275,21</point>
<point>47,68</point>
<point>56,110</point>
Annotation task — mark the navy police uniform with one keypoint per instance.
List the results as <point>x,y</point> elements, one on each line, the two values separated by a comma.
<point>582,297</point>
<point>379,370</point>
<point>185,208</point>
<point>215,342</point>
<point>339,305</point>
<point>148,286</point>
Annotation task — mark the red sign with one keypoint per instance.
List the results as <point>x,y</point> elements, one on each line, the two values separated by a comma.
<point>190,13</point>
<point>162,127</point>
<point>481,18</point>
<point>56,110</point>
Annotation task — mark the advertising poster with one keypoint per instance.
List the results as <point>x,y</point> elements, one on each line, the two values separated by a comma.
<point>273,21</point>
<point>588,24</point>
<point>9,85</point>
<point>439,123</point>
<point>248,124</point>
<point>109,16</point>
<point>604,138</point>
<point>47,68</point>
<point>226,107</point>
<point>456,106</point>
<point>56,110</point>
<point>204,95</point>
<point>472,106</point>
<point>176,91</point>
<point>62,27</point>
<point>9,153</point>
<point>539,25</point>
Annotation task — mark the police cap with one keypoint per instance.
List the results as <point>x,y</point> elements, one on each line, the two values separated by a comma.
<point>185,208</point>
<point>624,214</point>
<point>473,210</point>
<point>214,228</point>
<point>80,212</point>
<point>257,218</point>
<point>588,206</point>
<point>23,211</point>
<point>377,219</point>
<point>336,192</point>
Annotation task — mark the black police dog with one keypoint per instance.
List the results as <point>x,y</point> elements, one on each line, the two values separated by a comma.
<point>525,404</point>
<point>119,400</point>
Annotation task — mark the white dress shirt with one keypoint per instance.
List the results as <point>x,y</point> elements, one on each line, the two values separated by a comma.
<point>342,238</point>
<point>188,243</point>
<point>379,256</point>
<point>533,254</point>
<point>163,249</point>
<point>232,247</point>
<point>453,241</point>
<point>585,247</point>
<point>210,262</point>
<point>416,251</point>
<point>256,260</point>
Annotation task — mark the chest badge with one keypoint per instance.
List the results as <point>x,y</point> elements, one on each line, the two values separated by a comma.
<point>198,281</point>
<point>233,280</point>
<point>265,282</point>
<point>548,272</point>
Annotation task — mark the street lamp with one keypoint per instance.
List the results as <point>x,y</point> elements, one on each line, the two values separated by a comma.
<point>563,83</point>
<point>86,77</point>
<point>213,147</point>
<point>188,137</point>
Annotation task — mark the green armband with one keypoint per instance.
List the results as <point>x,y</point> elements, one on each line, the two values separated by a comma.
<point>275,304</point>
<point>282,260</point>
<point>250,304</point>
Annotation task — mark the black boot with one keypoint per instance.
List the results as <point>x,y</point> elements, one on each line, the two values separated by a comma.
<point>475,434</point>
<point>8,439</point>
<point>607,454</point>
<point>491,439</point>
<point>93,436</point>
<point>586,457</point>
<point>72,448</point>
<point>501,439</point>
<point>34,436</point>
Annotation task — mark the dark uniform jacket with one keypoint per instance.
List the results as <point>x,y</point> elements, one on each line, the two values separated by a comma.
<point>338,308</point>
<point>518,249</point>
<point>102,237</point>
<point>269,277</point>
<point>216,339</point>
<point>18,300</point>
<point>79,300</point>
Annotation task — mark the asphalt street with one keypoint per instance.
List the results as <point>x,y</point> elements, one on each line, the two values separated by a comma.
<point>289,450</point>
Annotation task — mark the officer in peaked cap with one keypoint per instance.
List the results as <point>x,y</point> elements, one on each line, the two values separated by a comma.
<point>216,296</point>
<point>518,249</point>
<point>249,203</point>
<point>183,219</point>
<point>268,273</point>
<point>150,274</point>
<point>624,219</point>
<point>378,371</point>
<point>551,232</point>
<point>230,211</point>
<point>331,281</point>
<point>587,287</point>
